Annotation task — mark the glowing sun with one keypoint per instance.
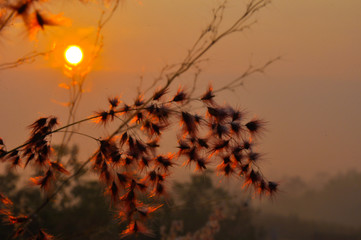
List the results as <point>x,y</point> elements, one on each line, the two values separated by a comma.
<point>73,55</point>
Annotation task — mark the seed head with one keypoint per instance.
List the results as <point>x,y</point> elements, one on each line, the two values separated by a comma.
<point>114,102</point>
<point>180,96</point>
<point>208,95</point>
<point>255,126</point>
<point>158,94</point>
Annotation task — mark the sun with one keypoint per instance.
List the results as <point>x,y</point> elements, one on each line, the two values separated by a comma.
<point>73,55</point>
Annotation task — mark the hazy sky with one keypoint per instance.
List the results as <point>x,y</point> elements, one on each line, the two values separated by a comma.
<point>311,98</point>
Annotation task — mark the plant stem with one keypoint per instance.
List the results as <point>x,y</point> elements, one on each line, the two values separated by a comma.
<point>7,20</point>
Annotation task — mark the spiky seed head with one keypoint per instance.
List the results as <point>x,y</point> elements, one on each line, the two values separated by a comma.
<point>254,126</point>
<point>272,187</point>
<point>114,102</point>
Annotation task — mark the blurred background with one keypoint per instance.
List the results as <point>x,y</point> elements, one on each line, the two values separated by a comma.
<point>310,100</point>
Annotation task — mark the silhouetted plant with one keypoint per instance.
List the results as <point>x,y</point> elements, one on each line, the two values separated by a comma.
<point>127,161</point>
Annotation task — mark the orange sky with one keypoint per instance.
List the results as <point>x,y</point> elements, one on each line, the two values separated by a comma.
<point>311,98</point>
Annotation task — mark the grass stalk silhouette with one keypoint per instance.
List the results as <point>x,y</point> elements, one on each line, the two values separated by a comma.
<point>123,155</point>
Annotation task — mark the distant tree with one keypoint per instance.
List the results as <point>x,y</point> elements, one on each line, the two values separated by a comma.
<point>66,218</point>
<point>127,160</point>
<point>202,211</point>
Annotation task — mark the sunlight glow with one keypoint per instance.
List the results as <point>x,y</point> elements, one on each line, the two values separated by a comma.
<point>73,55</point>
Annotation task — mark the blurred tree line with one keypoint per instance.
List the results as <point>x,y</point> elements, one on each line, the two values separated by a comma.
<point>196,209</point>
<point>305,211</point>
<point>192,210</point>
<point>336,201</point>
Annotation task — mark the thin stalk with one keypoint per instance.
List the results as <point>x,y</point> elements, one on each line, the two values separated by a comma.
<point>7,20</point>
